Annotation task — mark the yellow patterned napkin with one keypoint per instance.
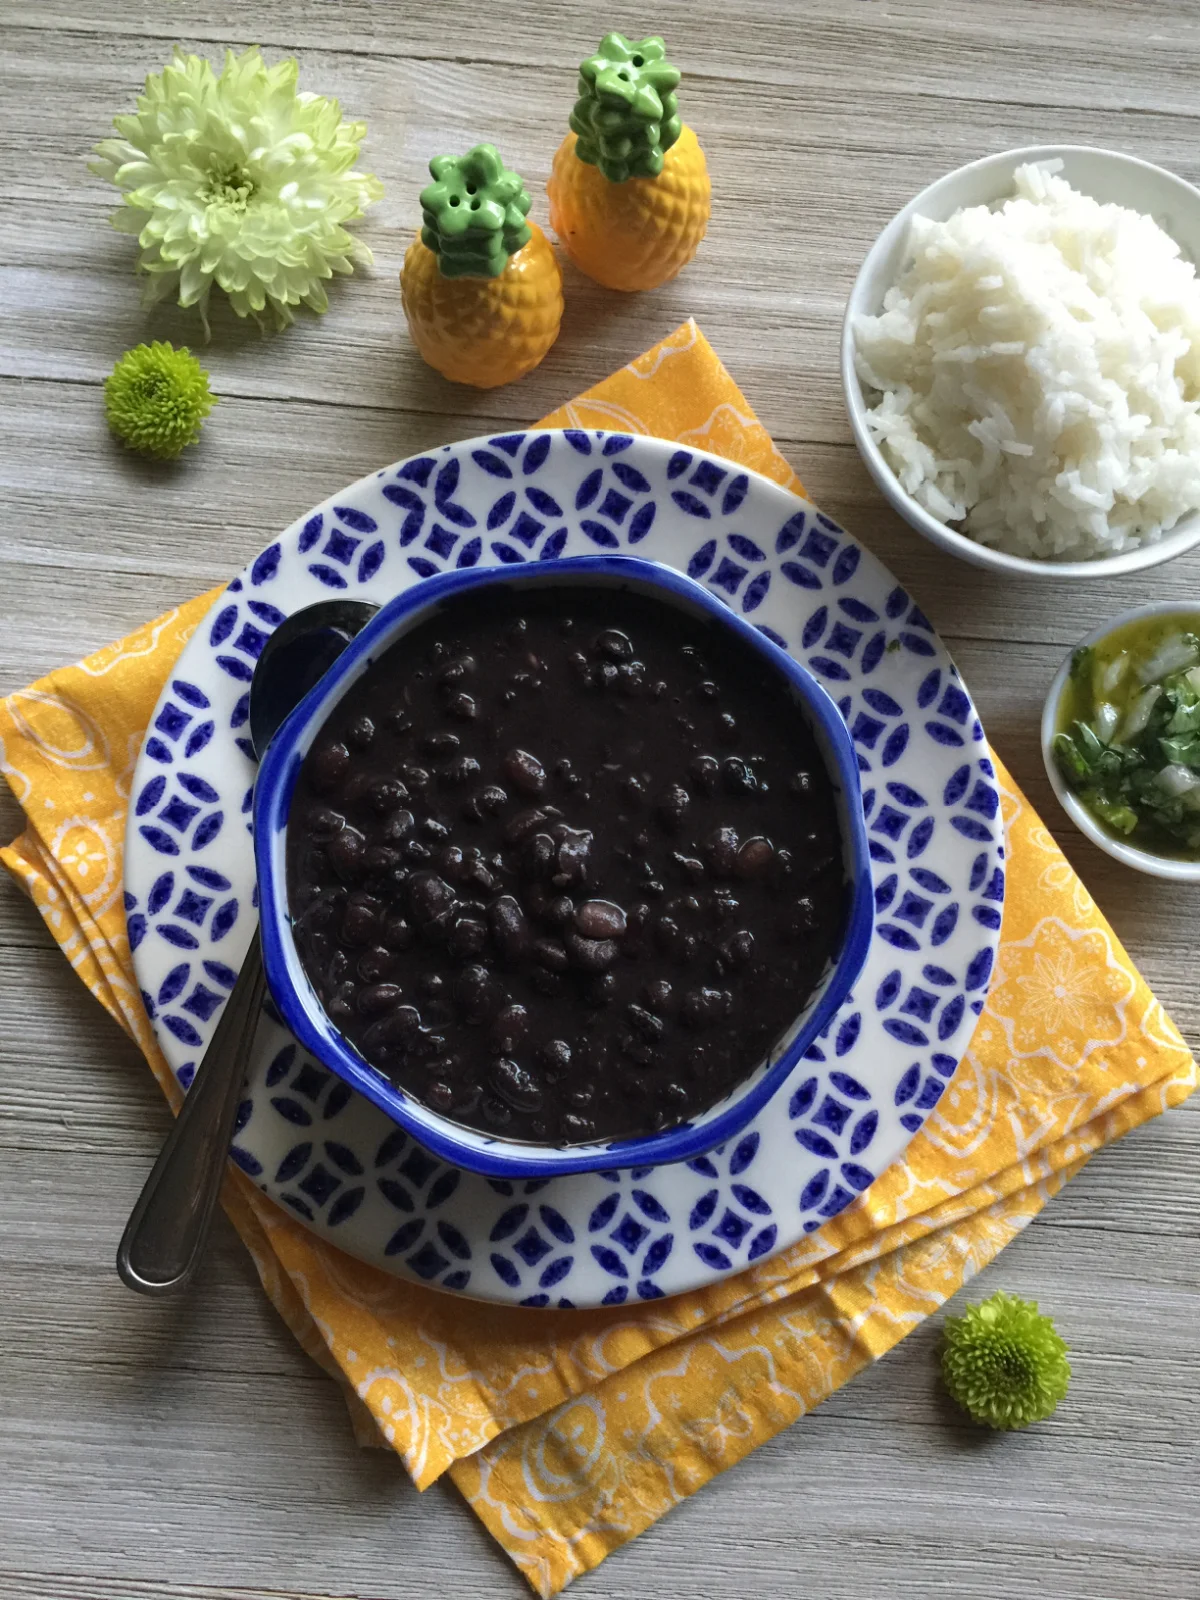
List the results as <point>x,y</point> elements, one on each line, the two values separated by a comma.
<point>571,1432</point>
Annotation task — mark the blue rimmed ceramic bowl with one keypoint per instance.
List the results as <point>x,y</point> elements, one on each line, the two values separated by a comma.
<point>299,1004</point>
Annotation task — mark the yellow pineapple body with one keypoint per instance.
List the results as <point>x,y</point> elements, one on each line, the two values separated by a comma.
<point>636,234</point>
<point>484,331</point>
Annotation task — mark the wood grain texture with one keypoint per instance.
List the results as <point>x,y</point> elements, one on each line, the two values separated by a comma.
<point>190,1452</point>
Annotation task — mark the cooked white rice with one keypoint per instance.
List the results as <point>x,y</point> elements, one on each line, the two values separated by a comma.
<point>1038,373</point>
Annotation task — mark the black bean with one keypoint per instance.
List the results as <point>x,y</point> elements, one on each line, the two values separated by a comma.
<point>546,982</point>
<point>524,823</point>
<point>455,671</point>
<point>738,775</point>
<point>550,954</point>
<point>377,998</point>
<point>704,771</point>
<point>398,827</point>
<point>459,771</point>
<point>346,851</point>
<point>647,1024</point>
<point>721,848</point>
<point>515,1084</point>
<point>555,1056</point>
<point>399,721</point>
<point>414,850</point>
<point>462,707</point>
<point>450,861</point>
<point>574,849</point>
<point>707,690</point>
<point>727,728</point>
<point>376,964</point>
<point>439,1096</point>
<point>510,931</point>
<point>614,644</point>
<point>591,955</point>
<point>361,733</point>
<point>497,1112</point>
<point>397,934</point>
<point>324,823</point>
<point>801,785</point>
<point>385,795</point>
<point>418,778</point>
<point>478,992</point>
<point>468,937</point>
<point>381,858</point>
<point>599,919</point>
<point>784,865</point>
<point>429,897</point>
<point>754,857</point>
<point>576,1129</point>
<point>328,765</point>
<point>739,947</point>
<point>438,744</point>
<point>633,789</point>
<point>692,868</point>
<point>538,856</point>
<point>509,1027</point>
<point>400,1026</point>
<point>704,1008</point>
<point>672,806</point>
<point>601,990</point>
<point>360,924</point>
<point>425,1043</point>
<point>581,667</point>
<point>524,771</point>
<point>659,996</point>
<point>433,828</point>
<point>640,1051</point>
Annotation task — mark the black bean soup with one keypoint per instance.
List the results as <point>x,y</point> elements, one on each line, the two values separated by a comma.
<point>565,863</point>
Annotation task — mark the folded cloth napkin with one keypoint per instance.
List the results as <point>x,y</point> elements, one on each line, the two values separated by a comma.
<point>570,1432</point>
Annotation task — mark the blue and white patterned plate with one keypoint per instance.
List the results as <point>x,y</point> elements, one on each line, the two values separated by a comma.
<point>851,1105</point>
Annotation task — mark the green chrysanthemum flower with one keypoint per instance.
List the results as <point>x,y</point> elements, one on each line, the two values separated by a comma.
<point>1004,1363</point>
<point>156,398</point>
<point>241,180</point>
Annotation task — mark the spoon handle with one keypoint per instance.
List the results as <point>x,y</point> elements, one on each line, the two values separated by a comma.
<point>164,1237</point>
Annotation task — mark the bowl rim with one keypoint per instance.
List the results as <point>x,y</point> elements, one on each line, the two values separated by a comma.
<point>1140,860</point>
<point>938,533</point>
<point>277,777</point>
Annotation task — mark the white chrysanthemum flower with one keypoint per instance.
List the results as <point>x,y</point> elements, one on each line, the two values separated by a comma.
<point>238,179</point>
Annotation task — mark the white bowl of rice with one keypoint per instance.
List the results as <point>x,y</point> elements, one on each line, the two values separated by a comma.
<point>1021,362</point>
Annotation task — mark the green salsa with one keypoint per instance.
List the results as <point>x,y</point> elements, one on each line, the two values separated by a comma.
<point>1128,740</point>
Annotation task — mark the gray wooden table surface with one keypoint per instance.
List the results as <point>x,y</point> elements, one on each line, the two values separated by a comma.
<point>190,1450</point>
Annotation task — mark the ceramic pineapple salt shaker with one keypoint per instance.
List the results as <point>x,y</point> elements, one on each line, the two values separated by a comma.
<point>629,191</point>
<point>481,286</point>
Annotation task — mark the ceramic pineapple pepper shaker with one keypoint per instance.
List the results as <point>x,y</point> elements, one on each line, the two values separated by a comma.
<point>629,190</point>
<point>481,286</point>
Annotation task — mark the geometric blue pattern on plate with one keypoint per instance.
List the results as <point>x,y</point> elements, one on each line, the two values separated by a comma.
<point>864,1088</point>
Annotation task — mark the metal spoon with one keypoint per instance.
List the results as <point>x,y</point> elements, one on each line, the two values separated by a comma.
<point>164,1237</point>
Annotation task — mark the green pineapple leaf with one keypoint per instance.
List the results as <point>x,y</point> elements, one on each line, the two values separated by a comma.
<point>626,115</point>
<point>473,213</point>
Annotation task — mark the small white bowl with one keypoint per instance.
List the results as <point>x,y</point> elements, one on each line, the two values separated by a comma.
<point>1140,860</point>
<point>1110,177</point>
